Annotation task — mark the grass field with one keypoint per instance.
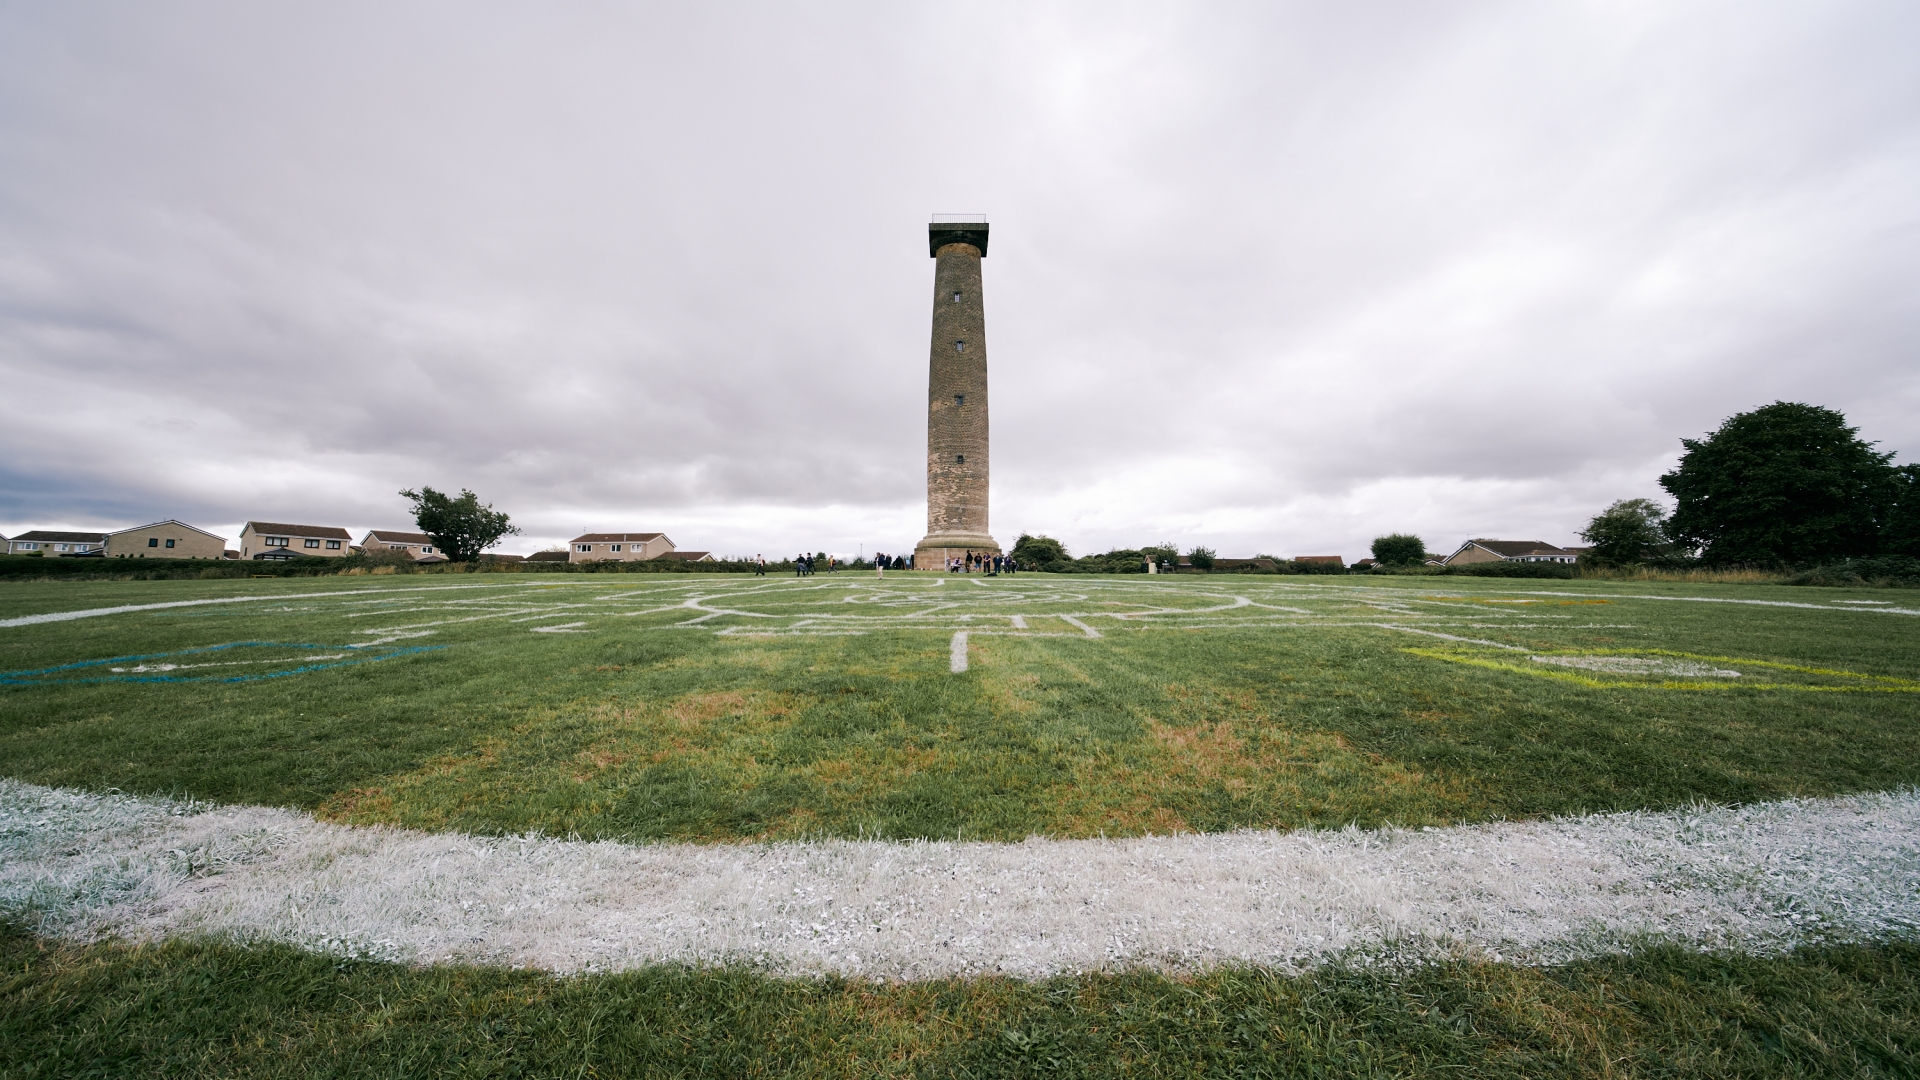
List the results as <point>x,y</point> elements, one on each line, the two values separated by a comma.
<point>723,709</point>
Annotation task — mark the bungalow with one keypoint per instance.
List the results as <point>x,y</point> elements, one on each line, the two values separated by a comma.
<point>272,540</point>
<point>548,556</point>
<point>1332,560</point>
<point>43,542</point>
<point>688,556</point>
<point>165,540</point>
<point>1480,551</point>
<point>626,547</point>
<point>418,545</point>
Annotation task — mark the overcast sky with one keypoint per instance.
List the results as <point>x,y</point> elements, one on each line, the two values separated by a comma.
<point>1268,277</point>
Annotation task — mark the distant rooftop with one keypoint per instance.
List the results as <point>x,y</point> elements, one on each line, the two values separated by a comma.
<point>959,219</point>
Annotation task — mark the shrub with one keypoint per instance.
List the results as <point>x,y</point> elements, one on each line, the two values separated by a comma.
<point>1201,558</point>
<point>1896,571</point>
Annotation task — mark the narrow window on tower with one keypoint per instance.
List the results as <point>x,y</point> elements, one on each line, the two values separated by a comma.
<point>960,459</point>
<point>959,399</point>
<point>959,346</point>
<point>956,298</point>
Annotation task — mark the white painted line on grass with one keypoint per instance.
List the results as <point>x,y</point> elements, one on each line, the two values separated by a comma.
<point>1451,637</point>
<point>1760,878</point>
<point>90,613</point>
<point>958,651</point>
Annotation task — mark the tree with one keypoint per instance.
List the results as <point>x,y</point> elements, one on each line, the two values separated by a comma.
<point>1037,551</point>
<point>1201,558</point>
<point>1901,533</point>
<point>1784,483</point>
<point>1399,549</point>
<point>461,527</point>
<point>1630,531</point>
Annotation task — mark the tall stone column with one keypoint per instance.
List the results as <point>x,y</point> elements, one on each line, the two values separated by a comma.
<point>956,398</point>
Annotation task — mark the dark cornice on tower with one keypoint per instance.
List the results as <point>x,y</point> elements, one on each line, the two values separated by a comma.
<point>942,233</point>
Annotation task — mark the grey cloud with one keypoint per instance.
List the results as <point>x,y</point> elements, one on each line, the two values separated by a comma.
<point>1263,276</point>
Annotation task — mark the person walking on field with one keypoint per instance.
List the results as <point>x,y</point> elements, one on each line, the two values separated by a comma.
<point>759,566</point>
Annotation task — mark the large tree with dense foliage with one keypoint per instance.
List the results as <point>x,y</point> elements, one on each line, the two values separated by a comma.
<point>1784,483</point>
<point>1901,533</point>
<point>1037,551</point>
<point>1399,549</point>
<point>460,526</point>
<point>1629,531</point>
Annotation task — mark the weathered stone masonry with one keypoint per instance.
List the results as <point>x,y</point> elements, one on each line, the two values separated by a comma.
<point>957,454</point>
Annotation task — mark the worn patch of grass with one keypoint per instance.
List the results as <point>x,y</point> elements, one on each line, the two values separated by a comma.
<point>211,1010</point>
<point>624,725</point>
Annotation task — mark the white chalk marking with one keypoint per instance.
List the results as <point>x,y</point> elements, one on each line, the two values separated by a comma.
<point>1019,622</point>
<point>1450,637</point>
<point>1760,878</point>
<point>1080,626</point>
<point>958,651</point>
<point>91,613</point>
<point>563,628</point>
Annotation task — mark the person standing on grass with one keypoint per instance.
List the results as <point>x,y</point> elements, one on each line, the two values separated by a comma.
<point>759,566</point>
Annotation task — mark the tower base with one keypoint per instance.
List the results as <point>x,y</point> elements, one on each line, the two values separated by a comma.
<point>933,552</point>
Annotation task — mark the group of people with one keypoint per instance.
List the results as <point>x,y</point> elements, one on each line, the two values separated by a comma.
<point>974,562</point>
<point>977,562</point>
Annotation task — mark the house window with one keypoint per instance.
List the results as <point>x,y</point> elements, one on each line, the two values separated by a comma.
<point>275,541</point>
<point>613,547</point>
<point>309,543</point>
<point>959,399</point>
<point>425,550</point>
<point>169,543</point>
<point>960,459</point>
<point>333,545</point>
<point>153,541</point>
<point>583,547</point>
<point>59,547</point>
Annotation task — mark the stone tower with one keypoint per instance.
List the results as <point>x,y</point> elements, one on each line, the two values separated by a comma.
<point>956,395</point>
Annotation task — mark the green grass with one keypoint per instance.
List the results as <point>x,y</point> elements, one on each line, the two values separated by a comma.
<point>635,729</point>
<point>638,728</point>
<point>204,1010</point>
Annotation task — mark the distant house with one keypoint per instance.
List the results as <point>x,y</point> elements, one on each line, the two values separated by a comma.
<point>592,547</point>
<point>43,542</point>
<point>688,556</point>
<point>272,540</point>
<point>503,558</point>
<point>1240,564</point>
<point>1479,551</point>
<point>1332,560</point>
<point>165,540</point>
<point>418,545</point>
<point>548,556</point>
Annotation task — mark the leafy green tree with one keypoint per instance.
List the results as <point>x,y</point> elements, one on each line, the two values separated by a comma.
<point>1784,483</point>
<point>1399,549</point>
<point>1036,552</point>
<point>1201,558</point>
<point>461,527</point>
<point>1630,531</point>
<point>1901,534</point>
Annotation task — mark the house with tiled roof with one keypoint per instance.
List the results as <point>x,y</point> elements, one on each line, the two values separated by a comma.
<point>417,544</point>
<point>51,542</point>
<point>625,547</point>
<point>275,540</point>
<point>1479,551</point>
<point>165,540</point>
